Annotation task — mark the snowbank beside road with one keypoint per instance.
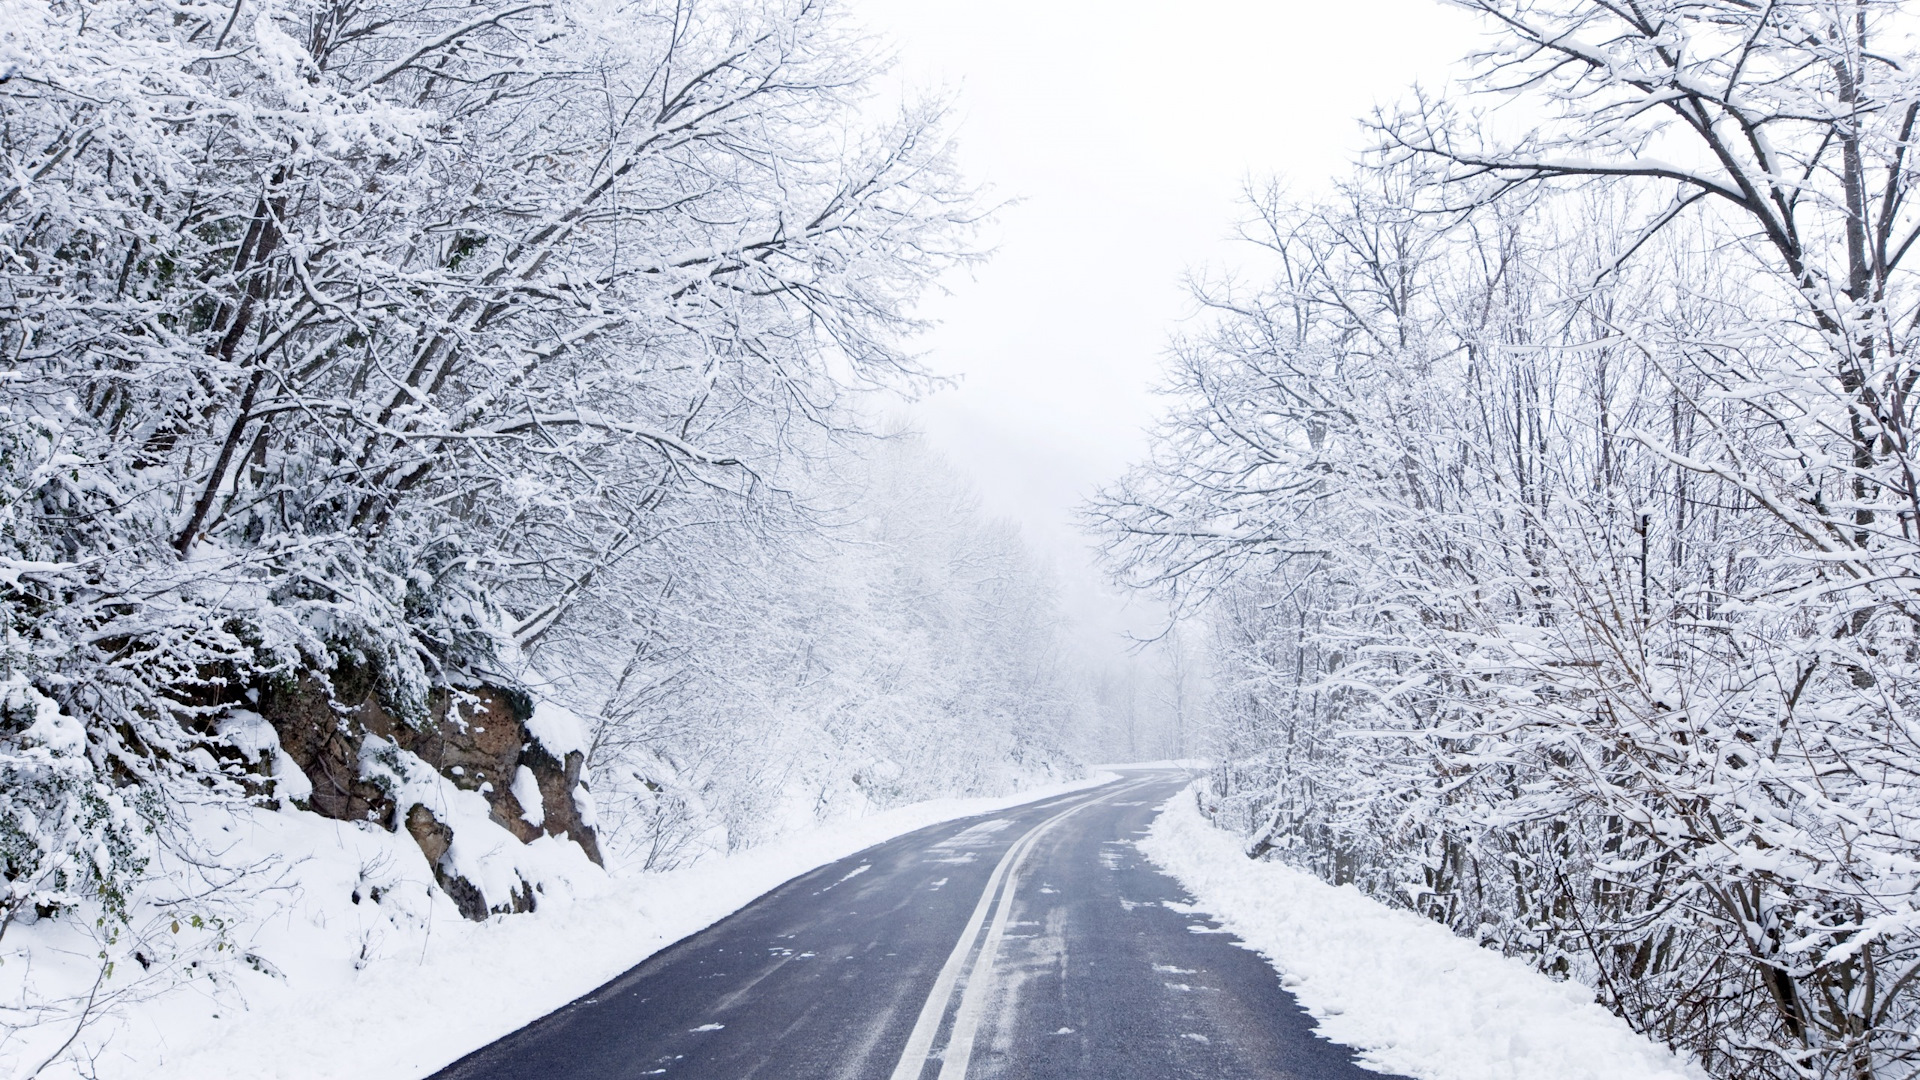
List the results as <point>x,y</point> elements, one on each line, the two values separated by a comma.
<point>318,1017</point>
<point>1408,994</point>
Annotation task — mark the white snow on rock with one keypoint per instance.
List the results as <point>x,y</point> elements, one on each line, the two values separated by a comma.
<point>1409,995</point>
<point>249,732</point>
<point>488,856</point>
<point>526,791</point>
<point>558,729</point>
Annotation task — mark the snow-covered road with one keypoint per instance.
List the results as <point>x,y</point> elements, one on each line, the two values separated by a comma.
<point>1032,943</point>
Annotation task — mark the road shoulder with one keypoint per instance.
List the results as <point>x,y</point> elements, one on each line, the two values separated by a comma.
<point>1409,995</point>
<point>477,982</point>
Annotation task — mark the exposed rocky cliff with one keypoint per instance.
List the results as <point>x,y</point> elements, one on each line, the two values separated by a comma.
<point>359,761</point>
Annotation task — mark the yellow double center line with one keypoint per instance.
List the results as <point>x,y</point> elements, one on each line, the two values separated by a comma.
<point>999,891</point>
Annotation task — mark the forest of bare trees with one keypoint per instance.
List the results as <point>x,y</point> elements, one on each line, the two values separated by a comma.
<point>1551,497</point>
<point>419,356</point>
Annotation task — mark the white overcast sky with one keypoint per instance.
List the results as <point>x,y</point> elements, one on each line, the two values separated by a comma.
<point>1126,130</point>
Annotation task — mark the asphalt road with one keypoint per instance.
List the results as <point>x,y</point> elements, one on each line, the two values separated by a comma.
<point>1031,944</point>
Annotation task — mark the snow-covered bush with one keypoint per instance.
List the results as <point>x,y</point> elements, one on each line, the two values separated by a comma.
<point>67,835</point>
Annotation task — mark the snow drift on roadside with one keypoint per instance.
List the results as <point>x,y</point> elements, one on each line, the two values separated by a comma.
<point>464,984</point>
<point>1407,993</point>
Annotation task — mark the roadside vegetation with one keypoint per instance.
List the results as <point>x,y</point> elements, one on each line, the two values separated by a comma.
<point>1551,497</point>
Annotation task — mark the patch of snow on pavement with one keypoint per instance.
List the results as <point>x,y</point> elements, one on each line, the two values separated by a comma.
<point>851,874</point>
<point>1409,995</point>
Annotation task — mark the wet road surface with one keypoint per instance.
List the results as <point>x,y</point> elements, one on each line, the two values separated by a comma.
<point>1030,944</point>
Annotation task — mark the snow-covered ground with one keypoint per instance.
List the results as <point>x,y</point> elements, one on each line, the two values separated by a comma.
<point>345,982</point>
<point>1412,997</point>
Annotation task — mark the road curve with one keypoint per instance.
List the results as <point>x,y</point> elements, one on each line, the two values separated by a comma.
<point>1031,944</point>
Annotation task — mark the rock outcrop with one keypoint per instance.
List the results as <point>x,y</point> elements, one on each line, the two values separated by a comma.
<point>482,739</point>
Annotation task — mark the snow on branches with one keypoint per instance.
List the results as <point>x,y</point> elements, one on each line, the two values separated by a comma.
<point>422,342</point>
<point>1553,505</point>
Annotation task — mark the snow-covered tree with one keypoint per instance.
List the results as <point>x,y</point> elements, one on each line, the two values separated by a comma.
<point>1552,506</point>
<point>391,336</point>
<point>905,648</point>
